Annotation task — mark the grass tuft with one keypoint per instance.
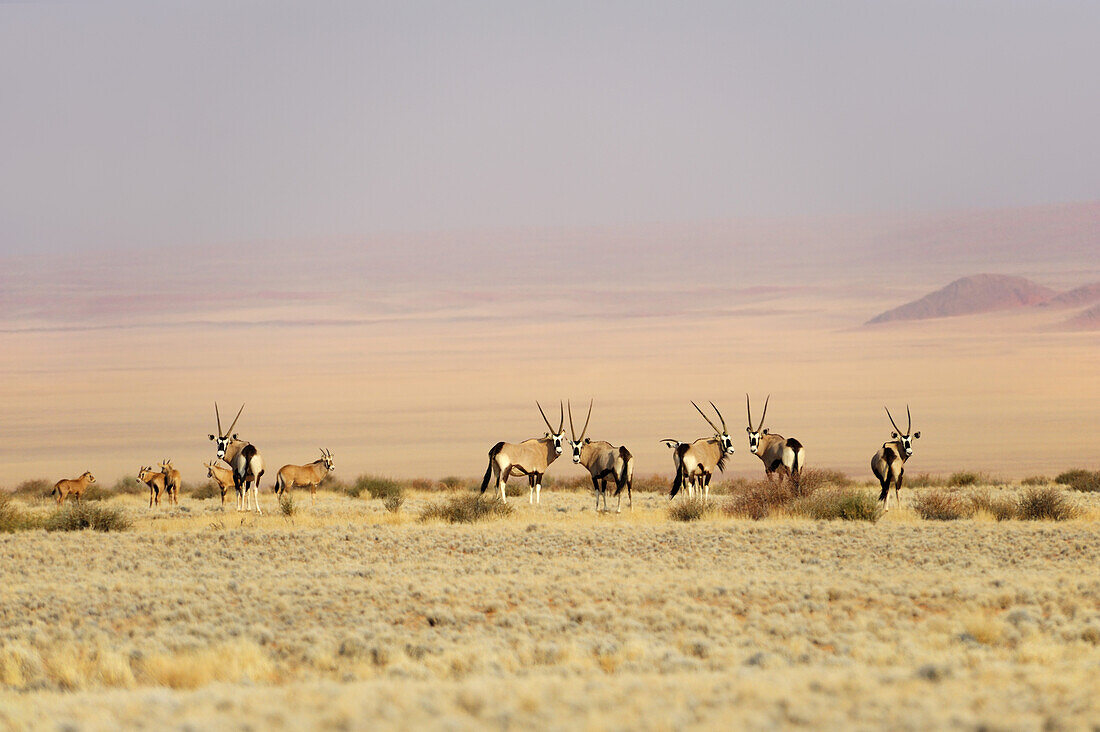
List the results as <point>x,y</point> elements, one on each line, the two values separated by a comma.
<point>393,504</point>
<point>1084,481</point>
<point>13,518</point>
<point>690,509</point>
<point>1001,509</point>
<point>758,499</point>
<point>845,504</point>
<point>466,509</point>
<point>35,488</point>
<point>964,479</point>
<point>80,516</point>
<point>1046,504</point>
<point>940,505</point>
<point>287,506</point>
<point>376,486</point>
<point>1034,480</point>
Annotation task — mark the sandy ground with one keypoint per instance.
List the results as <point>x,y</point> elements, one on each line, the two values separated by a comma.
<point>557,617</point>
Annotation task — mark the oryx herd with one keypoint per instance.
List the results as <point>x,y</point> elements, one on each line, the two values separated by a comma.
<point>240,466</point>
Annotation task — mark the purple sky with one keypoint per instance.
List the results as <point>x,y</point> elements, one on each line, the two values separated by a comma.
<point>202,123</point>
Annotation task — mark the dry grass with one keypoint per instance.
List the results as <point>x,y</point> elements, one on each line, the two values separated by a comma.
<point>465,508</point>
<point>941,505</point>
<point>1046,504</point>
<point>1085,481</point>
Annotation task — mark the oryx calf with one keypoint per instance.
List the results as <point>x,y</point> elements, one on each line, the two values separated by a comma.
<point>244,458</point>
<point>603,460</point>
<point>300,476</point>
<point>888,464</point>
<point>695,462</point>
<point>778,453</point>
<point>222,475</point>
<point>530,458</point>
<point>155,480</point>
<point>172,481</point>
<point>74,487</point>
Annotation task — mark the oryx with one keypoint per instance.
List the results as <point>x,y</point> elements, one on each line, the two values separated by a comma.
<point>778,453</point>
<point>530,458</point>
<point>696,461</point>
<point>300,476</point>
<point>172,480</point>
<point>74,487</point>
<point>888,464</point>
<point>603,460</point>
<point>222,475</point>
<point>155,480</point>
<point>243,458</point>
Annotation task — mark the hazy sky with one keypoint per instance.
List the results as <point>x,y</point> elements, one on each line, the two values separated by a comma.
<point>153,124</point>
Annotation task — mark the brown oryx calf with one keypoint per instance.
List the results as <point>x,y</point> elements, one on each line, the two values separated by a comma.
<point>784,455</point>
<point>888,464</point>
<point>222,475</point>
<point>243,458</point>
<point>300,476</point>
<point>172,481</point>
<point>696,461</point>
<point>530,458</point>
<point>602,459</point>
<point>156,482</point>
<point>75,487</point>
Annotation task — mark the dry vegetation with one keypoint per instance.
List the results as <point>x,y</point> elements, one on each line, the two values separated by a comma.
<point>394,612</point>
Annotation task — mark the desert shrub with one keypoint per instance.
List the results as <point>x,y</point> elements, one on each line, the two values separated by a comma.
<point>96,493</point>
<point>79,516</point>
<point>35,488</point>
<point>205,491</point>
<point>331,483</point>
<point>572,483</point>
<point>757,499</point>
<point>1033,480</point>
<point>376,486</point>
<point>1046,504</point>
<point>963,479</point>
<point>393,504</point>
<point>1001,508</point>
<point>939,505</point>
<point>130,486</point>
<point>421,484</point>
<point>652,483</point>
<point>287,506</point>
<point>690,509</point>
<point>452,483</point>
<point>846,504</point>
<point>1084,481</point>
<point>924,480</point>
<point>465,509</point>
<point>14,518</point>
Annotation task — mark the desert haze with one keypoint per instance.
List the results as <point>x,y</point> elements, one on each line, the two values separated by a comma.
<point>372,348</point>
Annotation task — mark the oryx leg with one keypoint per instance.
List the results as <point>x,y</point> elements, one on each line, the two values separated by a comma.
<point>897,487</point>
<point>538,489</point>
<point>596,490</point>
<point>502,480</point>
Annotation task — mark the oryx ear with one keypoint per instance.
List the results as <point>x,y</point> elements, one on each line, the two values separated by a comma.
<point>749,430</point>
<point>211,437</point>
<point>234,435</point>
<point>587,440</point>
<point>894,435</point>
<point>916,435</point>
<point>546,435</point>
<point>766,430</point>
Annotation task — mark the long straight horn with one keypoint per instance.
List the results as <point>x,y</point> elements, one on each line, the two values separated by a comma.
<point>748,409</point>
<point>724,430</point>
<point>544,419</point>
<point>219,416</point>
<point>561,422</point>
<point>572,429</point>
<point>585,430</point>
<point>896,428</point>
<point>910,415</point>
<point>700,411</point>
<point>234,421</point>
<point>764,413</point>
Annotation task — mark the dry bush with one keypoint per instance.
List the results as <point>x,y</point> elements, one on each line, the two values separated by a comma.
<point>1000,508</point>
<point>846,504</point>
<point>96,493</point>
<point>963,479</point>
<point>1046,504</point>
<point>35,488</point>
<point>452,483</point>
<point>1084,481</point>
<point>376,486</point>
<point>466,509</point>
<point>813,479</point>
<point>206,491</point>
<point>654,483</point>
<point>331,483</point>
<point>758,499</point>
<point>13,518</point>
<point>286,505</point>
<point>130,486</point>
<point>924,480</point>
<point>690,509</point>
<point>421,484</point>
<point>1034,480</point>
<point>79,516</point>
<point>940,505</point>
<point>393,504</point>
<point>572,483</point>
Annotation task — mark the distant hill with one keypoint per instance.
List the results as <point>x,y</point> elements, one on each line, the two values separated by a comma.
<point>1077,297</point>
<point>1087,320</point>
<point>981,293</point>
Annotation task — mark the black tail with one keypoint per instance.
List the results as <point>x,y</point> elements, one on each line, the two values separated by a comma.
<point>489,470</point>
<point>623,478</point>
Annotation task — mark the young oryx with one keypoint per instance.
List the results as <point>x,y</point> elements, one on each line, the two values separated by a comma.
<point>244,458</point>
<point>299,476</point>
<point>602,460</point>
<point>530,458</point>
<point>695,462</point>
<point>76,487</point>
<point>222,475</point>
<point>778,453</point>
<point>155,481</point>
<point>888,464</point>
<point>172,481</point>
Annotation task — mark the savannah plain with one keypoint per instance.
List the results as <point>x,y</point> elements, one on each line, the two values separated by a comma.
<point>349,615</point>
